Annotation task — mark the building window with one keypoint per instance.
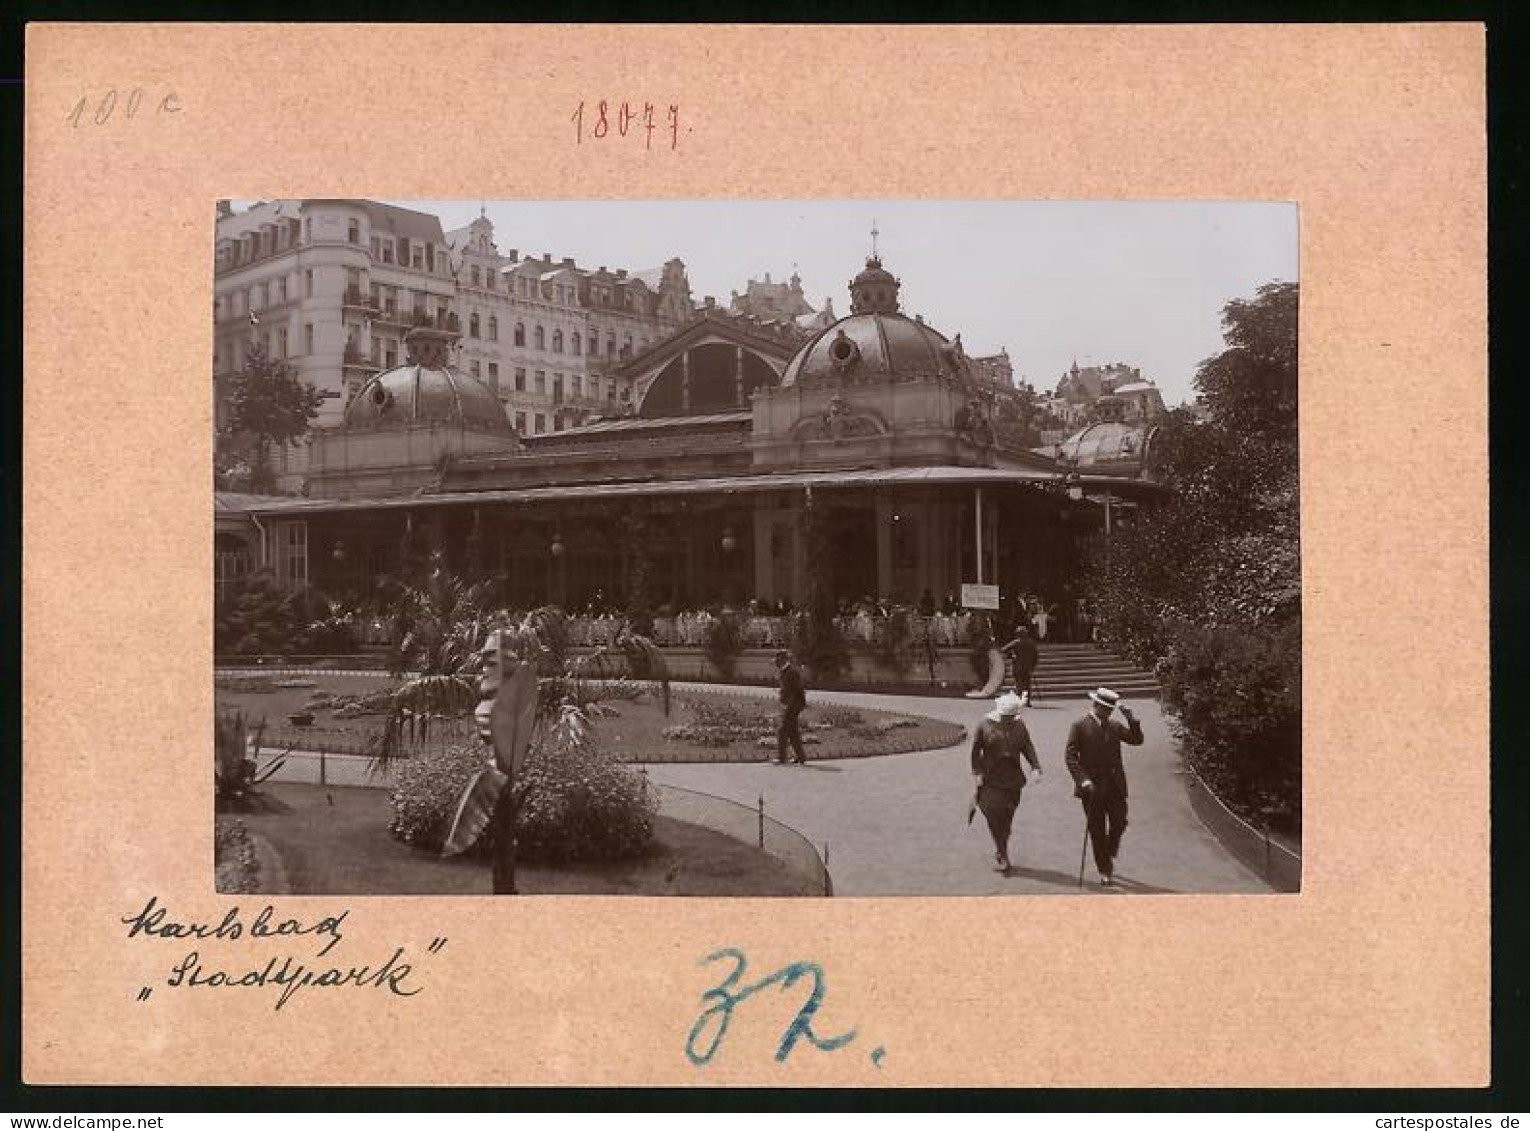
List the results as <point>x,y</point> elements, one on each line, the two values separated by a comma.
<point>611,343</point>
<point>473,326</point>
<point>541,384</point>
<point>477,276</point>
<point>376,352</point>
<point>577,384</point>
<point>494,376</point>
<point>308,337</point>
<point>557,423</point>
<point>541,424</point>
<point>474,370</point>
<point>390,356</point>
<point>292,553</point>
<point>557,388</point>
<point>493,328</point>
<point>281,341</point>
<point>520,422</point>
<point>281,289</point>
<point>595,388</point>
<point>417,258</point>
<point>574,343</point>
<point>489,278</point>
<point>353,231</point>
<point>520,380</point>
<point>557,341</point>
<point>539,339</point>
<point>520,333</point>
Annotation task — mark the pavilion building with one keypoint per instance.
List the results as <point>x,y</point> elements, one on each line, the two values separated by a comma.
<point>915,460</point>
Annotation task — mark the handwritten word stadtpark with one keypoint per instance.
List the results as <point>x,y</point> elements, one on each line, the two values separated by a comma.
<point>391,975</point>
<point>727,995</point>
<point>154,920</point>
<point>99,110</point>
<point>608,119</point>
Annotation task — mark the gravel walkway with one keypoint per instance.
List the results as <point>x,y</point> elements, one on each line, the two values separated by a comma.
<point>896,825</point>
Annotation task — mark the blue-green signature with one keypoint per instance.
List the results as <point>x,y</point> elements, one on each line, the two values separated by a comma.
<point>710,1028</point>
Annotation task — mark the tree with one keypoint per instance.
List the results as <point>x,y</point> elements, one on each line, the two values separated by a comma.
<point>269,406</point>
<point>1207,587</point>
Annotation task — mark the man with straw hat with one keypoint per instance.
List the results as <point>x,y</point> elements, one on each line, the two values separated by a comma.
<point>1093,757</point>
<point>998,744</point>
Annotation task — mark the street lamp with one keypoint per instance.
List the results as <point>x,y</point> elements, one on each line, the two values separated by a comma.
<point>338,553</point>
<point>729,542</point>
<point>556,548</point>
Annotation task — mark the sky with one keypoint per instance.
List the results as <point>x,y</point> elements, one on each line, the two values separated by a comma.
<point>1050,281</point>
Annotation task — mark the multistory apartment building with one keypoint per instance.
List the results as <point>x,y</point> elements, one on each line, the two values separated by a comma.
<point>332,287</point>
<point>329,286</point>
<point>549,336</point>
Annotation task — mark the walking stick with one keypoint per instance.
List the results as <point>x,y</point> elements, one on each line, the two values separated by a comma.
<point>1084,851</point>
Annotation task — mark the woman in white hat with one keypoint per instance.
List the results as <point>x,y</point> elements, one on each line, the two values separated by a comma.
<point>998,744</point>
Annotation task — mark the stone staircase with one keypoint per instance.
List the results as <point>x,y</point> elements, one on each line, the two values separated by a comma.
<point>1068,671</point>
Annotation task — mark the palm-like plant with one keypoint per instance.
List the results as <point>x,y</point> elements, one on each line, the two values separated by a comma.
<point>545,694</point>
<point>436,629</point>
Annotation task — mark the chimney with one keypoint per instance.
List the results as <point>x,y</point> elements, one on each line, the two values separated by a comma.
<point>547,257</point>
<point>767,278</point>
<point>568,261</point>
<point>515,255</point>
<point>621,272</point>
<point>709,302</point>
<point>225,208</point>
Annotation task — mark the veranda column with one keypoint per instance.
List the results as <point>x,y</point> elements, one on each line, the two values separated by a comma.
<point>764,561</point>
<point>884,512</point>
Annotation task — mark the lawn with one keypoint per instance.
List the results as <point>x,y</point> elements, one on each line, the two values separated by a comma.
<point>703,726</point>
<point>310,840</point>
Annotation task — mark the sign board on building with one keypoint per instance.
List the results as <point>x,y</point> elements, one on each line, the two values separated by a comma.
<point>980,596</point>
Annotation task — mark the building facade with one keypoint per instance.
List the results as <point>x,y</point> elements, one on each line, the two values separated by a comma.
<point>876,431</point>
<point>333,286</point>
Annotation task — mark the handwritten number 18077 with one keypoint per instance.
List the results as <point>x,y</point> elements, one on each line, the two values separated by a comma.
<point>101,109</point>
<point>606,119</point>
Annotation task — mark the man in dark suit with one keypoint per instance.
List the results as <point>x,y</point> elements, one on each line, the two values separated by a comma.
<point>793,700</point>
<point>1093,757</point>
<point>1023,653</point>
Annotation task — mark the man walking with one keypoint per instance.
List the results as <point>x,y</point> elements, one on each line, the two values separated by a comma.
<point>793,699</point>
<point>1093,757</point>
<point>1023,654</point>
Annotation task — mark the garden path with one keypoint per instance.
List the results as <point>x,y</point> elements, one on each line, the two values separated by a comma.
<point>896,825</point>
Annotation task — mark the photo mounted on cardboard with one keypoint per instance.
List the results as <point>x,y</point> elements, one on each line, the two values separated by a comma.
<point>738,568</point>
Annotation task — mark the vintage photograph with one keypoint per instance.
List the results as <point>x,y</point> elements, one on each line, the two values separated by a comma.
<point>756,548</point>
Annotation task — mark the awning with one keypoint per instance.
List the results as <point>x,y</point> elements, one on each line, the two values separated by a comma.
<point>729,485</point>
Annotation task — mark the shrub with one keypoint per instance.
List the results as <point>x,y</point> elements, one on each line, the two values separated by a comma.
<point>580,804</point>
<point>892,652</point>
<point>1235,698</point>
<point>426,790</point>
<point>723,642</point>
<point>981,634</point>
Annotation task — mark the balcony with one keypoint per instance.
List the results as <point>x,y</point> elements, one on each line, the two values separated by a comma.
<point>356,299</point>
<point>355,359</point>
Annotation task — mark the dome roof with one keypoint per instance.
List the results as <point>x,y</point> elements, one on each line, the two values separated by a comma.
<point>419,394</point>
<point>1108,445</point>
<point>869,345</point>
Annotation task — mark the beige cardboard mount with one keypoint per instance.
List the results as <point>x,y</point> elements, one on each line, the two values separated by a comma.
<point>1376,974</point>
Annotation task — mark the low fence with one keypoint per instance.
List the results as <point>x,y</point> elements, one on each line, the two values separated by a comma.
<point>1254,848</point>
<point>751,825</point>
<point>323,767</point>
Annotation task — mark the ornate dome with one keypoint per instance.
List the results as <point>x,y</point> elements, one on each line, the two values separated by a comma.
<point>426,391</point>
<point>1108,446</point>
<point>875,345</point>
